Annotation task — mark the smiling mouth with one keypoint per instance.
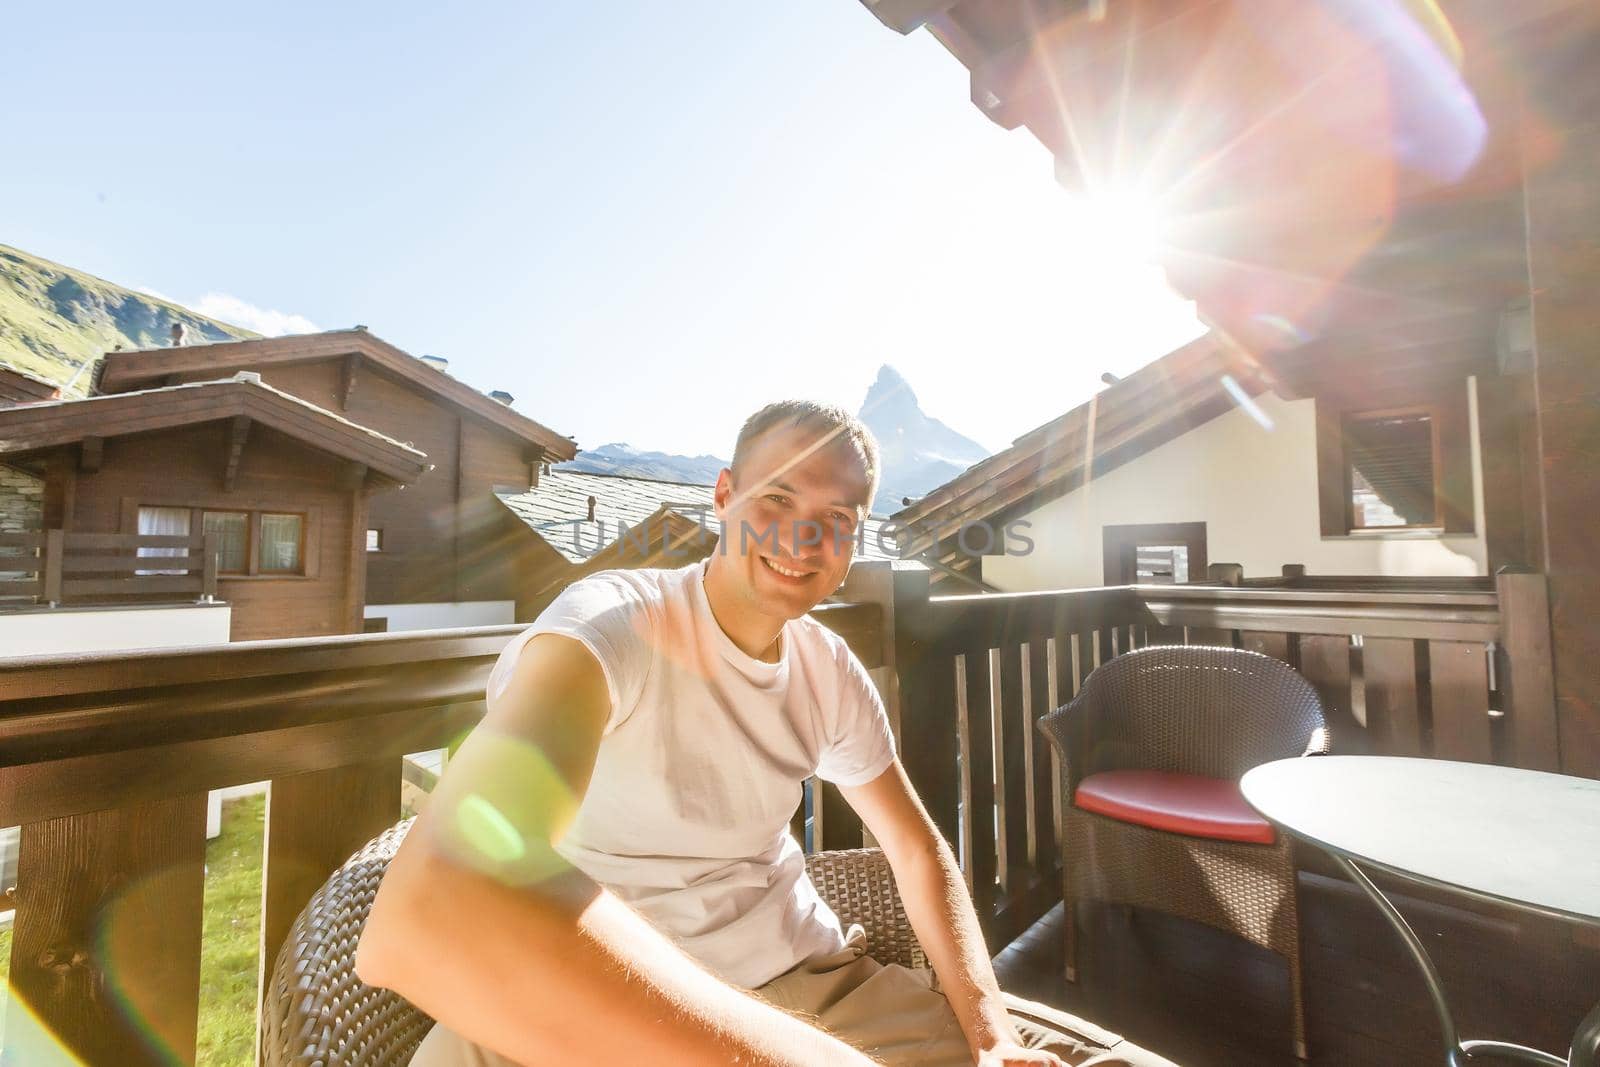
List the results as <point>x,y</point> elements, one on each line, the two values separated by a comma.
<point>785,572</point>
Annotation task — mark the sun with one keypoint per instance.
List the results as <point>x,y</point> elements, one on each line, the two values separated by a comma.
<point>1122,226</point>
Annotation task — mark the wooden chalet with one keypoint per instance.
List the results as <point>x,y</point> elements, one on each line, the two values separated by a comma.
<point>281,484</point>
<point>585,522</point>
<point>444,552</point>
<point>1341,262</point>
<point>954,526</point>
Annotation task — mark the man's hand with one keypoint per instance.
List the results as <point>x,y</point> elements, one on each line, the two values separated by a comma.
<point>1012,1054</point>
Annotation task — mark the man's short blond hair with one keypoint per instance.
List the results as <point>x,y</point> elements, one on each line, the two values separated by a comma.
<point>829,421</point>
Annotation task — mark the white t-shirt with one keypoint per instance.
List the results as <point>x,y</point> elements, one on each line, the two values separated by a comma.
<point>686,817</point>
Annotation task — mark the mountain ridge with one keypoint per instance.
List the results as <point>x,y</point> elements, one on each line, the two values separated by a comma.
<point>56,321</point>
<point>918,453</point>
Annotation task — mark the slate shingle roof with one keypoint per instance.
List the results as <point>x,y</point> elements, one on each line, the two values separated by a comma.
<point>558,509</point>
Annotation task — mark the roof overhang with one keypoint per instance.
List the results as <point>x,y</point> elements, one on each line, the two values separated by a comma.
<point>122,371</point>
<point>1182,390</point>
<point>1315,170</point>
<point>36,427</point>
<point>17,386</point>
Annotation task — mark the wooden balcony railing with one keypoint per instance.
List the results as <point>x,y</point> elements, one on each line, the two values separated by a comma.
<point>105,759</point>
<point>53,567</point>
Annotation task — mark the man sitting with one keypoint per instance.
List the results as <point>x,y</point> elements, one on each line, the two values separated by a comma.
<point>605,872</point>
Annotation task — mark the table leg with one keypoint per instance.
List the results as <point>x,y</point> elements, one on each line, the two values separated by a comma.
<point>1456,1051</point>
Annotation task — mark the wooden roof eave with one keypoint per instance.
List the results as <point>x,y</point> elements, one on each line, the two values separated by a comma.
<point>1173,390</point>
<point>1040,479</point>
<point>32,428</point>
<point>122,371</point>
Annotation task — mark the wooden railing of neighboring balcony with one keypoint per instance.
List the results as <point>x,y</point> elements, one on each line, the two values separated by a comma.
<point>105,759</point>
<point>54,567</point>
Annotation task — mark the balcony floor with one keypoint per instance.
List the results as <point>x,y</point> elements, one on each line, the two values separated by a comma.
<point>1202,997</point>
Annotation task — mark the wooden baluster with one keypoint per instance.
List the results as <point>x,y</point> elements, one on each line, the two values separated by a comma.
<point>1036,761</point>
<point>54,555</point>
<point>1394,720</point>
<point>1527,678</point>
<point>975,732</point>
<point>1275,645</point>
<point>1013,734</point>
<point>315,822</point>
<point>929,714</point>
<point>1325,661</point>
<point>209,548</point>
<point>106,948</point>
<point>1459,673</point>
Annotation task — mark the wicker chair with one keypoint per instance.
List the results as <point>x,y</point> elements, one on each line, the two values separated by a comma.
<point>317,1012</point>
<point>1212,713</point>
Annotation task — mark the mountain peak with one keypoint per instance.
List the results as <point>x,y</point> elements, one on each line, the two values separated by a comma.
<point>889,383</point>
<point>918,453</point>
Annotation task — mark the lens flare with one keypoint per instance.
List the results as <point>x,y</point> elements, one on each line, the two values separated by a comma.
<point>503,823</point>
<point>488,831</point>
<point>139,964</point>
<point>29,1041</point>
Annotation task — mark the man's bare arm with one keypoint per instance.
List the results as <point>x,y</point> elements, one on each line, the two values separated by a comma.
<point>481,924</point>
<point>940,909</point>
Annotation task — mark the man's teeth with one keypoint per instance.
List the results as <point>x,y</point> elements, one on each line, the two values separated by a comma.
<point>786,572</point>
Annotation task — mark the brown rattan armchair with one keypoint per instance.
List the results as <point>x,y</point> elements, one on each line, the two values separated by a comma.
<point>1198,717</point>
<point>319,1014</point>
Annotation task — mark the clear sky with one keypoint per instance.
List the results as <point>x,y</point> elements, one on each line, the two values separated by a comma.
<point>643,219</point>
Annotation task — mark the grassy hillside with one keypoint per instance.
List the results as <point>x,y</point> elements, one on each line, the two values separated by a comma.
<point>54,319</point>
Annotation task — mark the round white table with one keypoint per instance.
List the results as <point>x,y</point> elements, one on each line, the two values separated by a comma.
<point>1523,839</point>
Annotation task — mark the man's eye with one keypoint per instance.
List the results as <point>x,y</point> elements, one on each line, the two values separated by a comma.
<point>777,498</point>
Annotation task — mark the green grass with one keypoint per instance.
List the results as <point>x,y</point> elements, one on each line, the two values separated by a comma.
<point>231,934</point>
<point>54,320</point>
<point>230,945</point>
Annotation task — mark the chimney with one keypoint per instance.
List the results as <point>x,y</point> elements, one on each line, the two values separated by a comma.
<point>438,363</point>
<point>177,335</point>
<point>591,509</point>
<point>502,396</point>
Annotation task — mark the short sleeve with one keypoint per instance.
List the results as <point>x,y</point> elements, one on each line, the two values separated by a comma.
<point>860,743</point>
<point>611,616</point>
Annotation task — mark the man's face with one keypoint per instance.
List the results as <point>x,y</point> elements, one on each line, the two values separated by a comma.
<point>796,508</point>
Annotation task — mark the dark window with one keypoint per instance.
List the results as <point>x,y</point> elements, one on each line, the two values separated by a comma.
<point>282,538</point>
<point>1393,470</point>
<point>1405,466</point>
<point>1158,553</point>
<point>232,531</point>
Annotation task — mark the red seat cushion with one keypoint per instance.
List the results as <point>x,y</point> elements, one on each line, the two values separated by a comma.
<point>1179,803</point>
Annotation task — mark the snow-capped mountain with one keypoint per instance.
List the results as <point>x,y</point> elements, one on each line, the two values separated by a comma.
<point>919,453</point>
<point>620,458</point>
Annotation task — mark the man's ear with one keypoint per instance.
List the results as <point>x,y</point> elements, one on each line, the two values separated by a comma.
<point>723,492</point>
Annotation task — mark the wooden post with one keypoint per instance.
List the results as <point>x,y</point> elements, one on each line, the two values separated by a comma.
<point>314,823</point>
<point>105,957</point>
<point>927,701</point>
<point>1527,679</point>
<point>1562,202</point>
<point>208,569</point>
<point>1459,689</point>
<point>1226,573</point>
<point>54,551</point>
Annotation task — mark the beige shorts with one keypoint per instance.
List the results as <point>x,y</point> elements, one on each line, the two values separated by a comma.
<point>895,1014</point>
